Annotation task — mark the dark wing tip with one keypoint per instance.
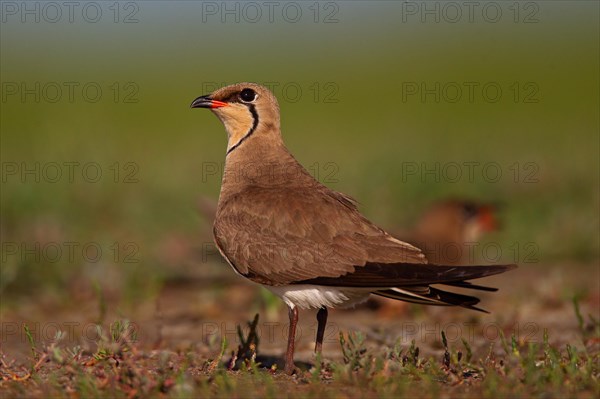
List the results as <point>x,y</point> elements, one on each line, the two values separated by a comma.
<point>407,274</point>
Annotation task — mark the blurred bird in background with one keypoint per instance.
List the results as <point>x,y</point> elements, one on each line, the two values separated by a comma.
<point>447,232</point>
<point>448,228</point>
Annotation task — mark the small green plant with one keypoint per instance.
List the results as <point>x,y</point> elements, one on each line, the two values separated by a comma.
<point>316,371</point>
<point>122,333</point>
<point>31,341</point>
<point>248,347</point>
<point>214,364</point>
<point>469,354</point>
<point>412,356</point>
<point>353,349</point>
<point>589,330</point>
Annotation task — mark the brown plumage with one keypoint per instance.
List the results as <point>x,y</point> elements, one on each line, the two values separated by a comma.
<point>445,232</point>
<point>277,226</point>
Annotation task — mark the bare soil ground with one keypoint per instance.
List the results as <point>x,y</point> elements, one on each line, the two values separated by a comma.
<point>173,343</point>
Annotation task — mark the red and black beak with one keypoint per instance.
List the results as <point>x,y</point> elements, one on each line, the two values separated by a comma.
<point>207,102</point>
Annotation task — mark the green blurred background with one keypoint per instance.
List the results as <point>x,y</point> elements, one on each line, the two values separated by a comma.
<point>353,122</point>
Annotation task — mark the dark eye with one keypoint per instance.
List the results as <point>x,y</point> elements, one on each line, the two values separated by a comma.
<point>247,95</point>
<point>470,210</point>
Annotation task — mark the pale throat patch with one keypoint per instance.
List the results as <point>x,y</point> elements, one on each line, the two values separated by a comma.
<point>237,122</point>
<point>472,231</point>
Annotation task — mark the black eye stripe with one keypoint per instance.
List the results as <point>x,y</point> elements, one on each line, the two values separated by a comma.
<point>237,97</point>
<point>232,98</point>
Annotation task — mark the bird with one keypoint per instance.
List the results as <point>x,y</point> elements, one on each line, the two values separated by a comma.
<point>447,228</point>
<point>279,227</point>
<point>447,232</point>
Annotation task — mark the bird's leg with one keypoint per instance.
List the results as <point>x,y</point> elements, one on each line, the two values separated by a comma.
<point>289,355</point>
<point>322,321</point>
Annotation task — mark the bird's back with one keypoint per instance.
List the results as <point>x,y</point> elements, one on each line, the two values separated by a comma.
<point>281,225</point>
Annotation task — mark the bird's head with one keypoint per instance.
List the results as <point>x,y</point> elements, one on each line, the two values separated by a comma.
<point>244,109</point>
<point>458,220</point>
